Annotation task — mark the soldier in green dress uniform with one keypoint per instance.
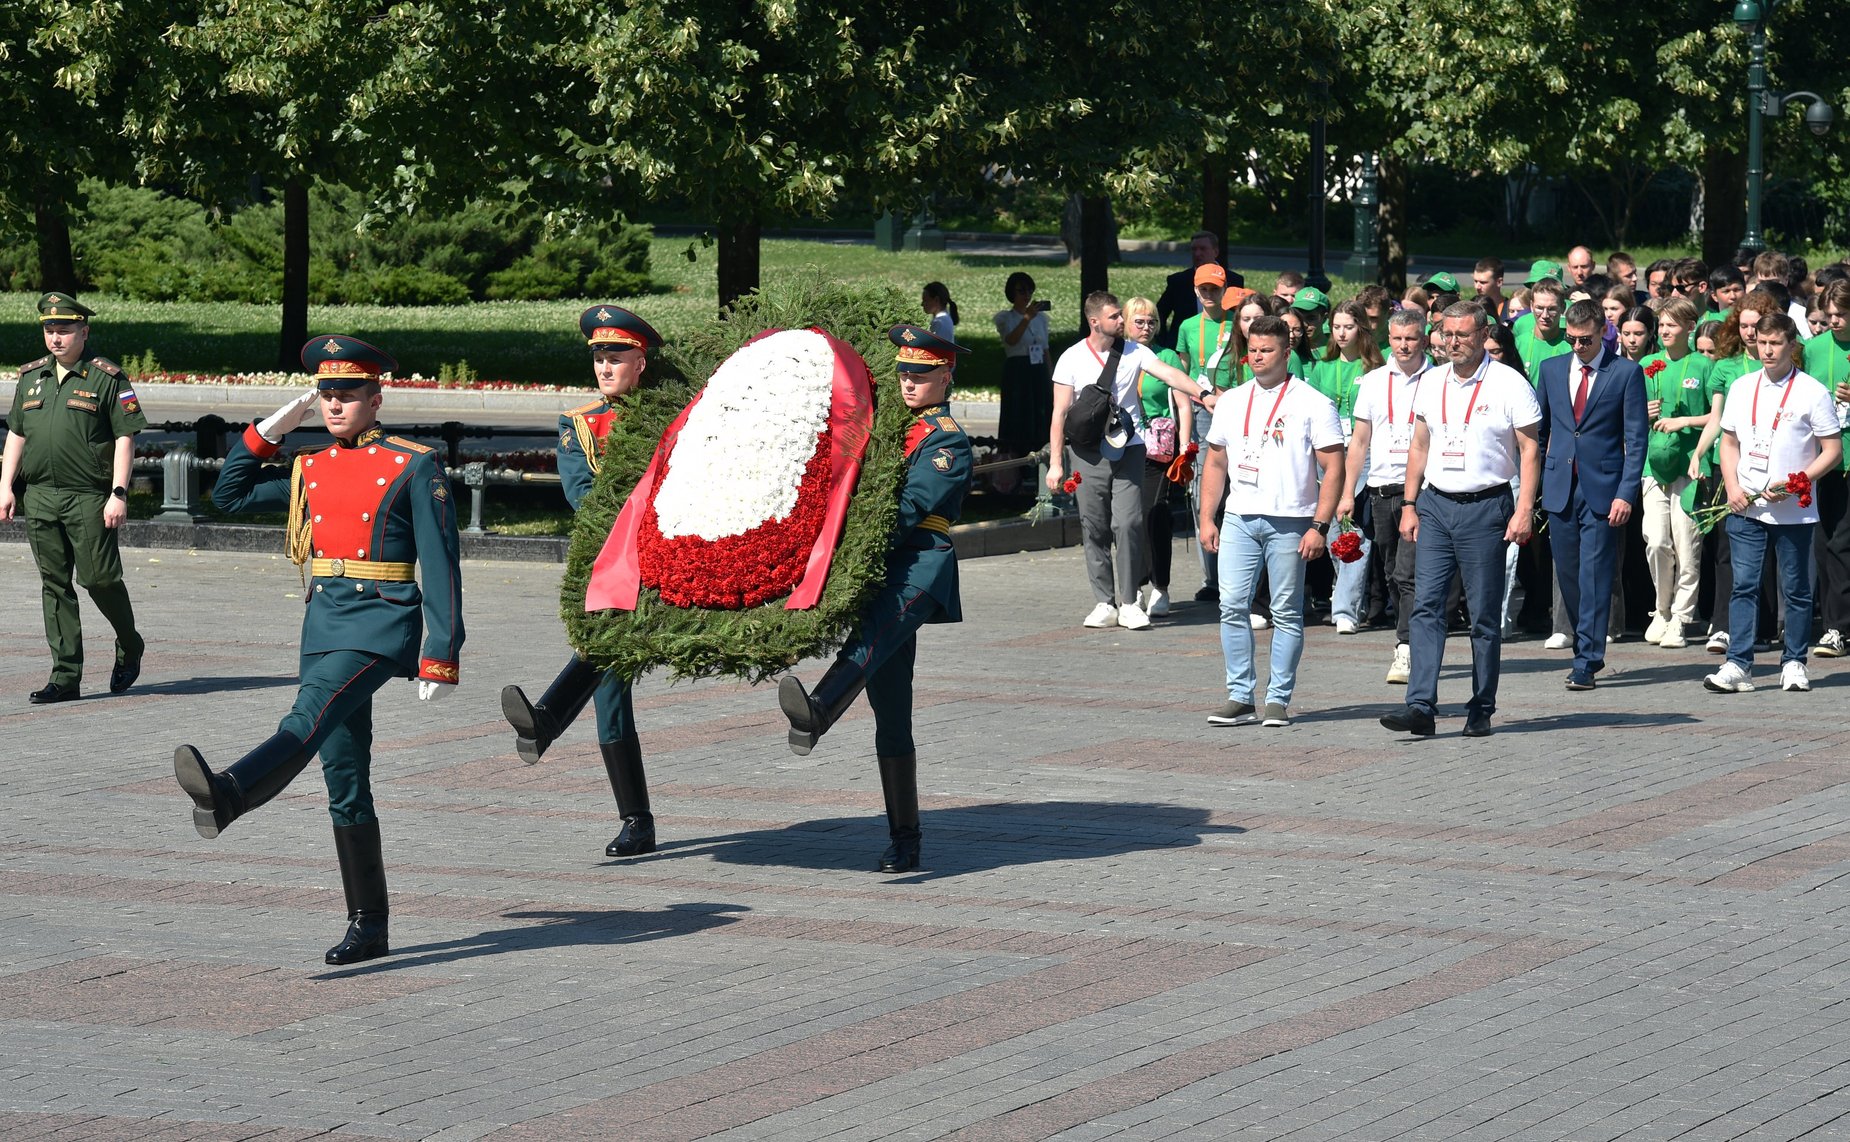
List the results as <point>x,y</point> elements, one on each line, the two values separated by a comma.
<point>620,342</point>
<point>71,435</point>
<point>367,514</point>
<point>921,587</point>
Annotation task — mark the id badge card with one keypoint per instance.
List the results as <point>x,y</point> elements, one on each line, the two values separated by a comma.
<point>1757,460</point>
<point>1452,452</point>
<point>1399,439</point>
<point>1036,354</point>
<point>1246,470</point>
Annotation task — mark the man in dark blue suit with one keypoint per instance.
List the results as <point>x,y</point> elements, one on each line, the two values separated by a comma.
<point>1594,432</point>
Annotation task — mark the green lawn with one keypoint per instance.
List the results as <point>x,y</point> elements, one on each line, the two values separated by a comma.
<point>539,341</point>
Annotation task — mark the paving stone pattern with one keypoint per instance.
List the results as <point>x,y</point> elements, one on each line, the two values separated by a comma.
<point>1620,917</point>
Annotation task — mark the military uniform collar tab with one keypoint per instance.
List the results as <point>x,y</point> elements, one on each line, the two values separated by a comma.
<point>371,436</point>
<point>930,410</point>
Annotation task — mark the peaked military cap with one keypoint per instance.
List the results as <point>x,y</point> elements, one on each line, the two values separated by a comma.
<point>921,350</point>
<point>56,306</point>
<point>613,327</point>
<point>342,362</point>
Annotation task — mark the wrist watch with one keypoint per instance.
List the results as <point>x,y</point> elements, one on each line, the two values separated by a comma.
<point>1406,504</point>
<point>1320,526</point>
<point>119,493</point>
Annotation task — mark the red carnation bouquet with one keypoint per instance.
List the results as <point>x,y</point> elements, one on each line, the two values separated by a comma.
<point>1071,483</point>
<point>1347,546</point>
<point>1655,367</point>
<point>1796,485</point>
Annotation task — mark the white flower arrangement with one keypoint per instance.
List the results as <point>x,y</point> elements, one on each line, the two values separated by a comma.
<point>742,452</point>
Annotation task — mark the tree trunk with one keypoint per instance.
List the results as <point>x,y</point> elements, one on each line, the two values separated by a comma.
<point>738,261</point>
<point>1214,199</point>
<point>1391,223</point>
<point>1724,200</point>
<point>57,271</point>
<point>1097,245</point>
<point>295,275</point>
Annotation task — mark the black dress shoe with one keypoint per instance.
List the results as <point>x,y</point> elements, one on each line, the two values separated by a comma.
<point>1477,725</point>
<point>1408,720</point>
<point>124,675</point>
<point>52,693</point>
<point>901,856</point>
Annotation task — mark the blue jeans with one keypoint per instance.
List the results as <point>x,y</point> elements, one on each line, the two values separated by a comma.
<point>1747,544</point>
<point>1248,543</point>
<point>1466,539</point>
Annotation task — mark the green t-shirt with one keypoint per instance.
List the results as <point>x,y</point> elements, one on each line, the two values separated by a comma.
<point>1153,391</point>
<point>1339,380</point>
<point>1682,389</point>
<point>1197,341</point>
<point>1522,326</point>
<point>1828,360</point>
<point>1722,374</point>
<point>1534,350</point>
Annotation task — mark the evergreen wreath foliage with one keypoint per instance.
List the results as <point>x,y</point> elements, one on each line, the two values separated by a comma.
<point>763,641</point>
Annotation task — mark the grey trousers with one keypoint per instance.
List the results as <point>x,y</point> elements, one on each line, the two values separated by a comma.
<point>1110,497</point>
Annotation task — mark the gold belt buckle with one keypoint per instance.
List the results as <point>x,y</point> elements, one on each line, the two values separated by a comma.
<point>338,567</point>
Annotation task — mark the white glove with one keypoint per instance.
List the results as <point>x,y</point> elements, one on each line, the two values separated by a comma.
<point>287,418</point>
<point>429,691</point>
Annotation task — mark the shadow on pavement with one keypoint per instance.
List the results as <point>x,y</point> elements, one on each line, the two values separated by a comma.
<point>217,684</point>
<point>970,838</point>
<point>551,929</point>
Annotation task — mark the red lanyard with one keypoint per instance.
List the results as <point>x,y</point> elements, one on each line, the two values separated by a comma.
<point>1415,378</point>
<point>1778,412</point>
<point>1246,430</point>
<point>1445,393</point>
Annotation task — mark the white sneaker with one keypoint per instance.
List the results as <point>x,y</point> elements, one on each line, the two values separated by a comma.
<point>1345,625</point>
<point>1656,630</point>
<point>1673,637</point>
<point>1402,669</point>
<point>1792,677</point>
<point>1131,617</point>
<point>1159,603</point>
<point>1831,645</point>
<point>1258,621</point>
<point>1103,615</point>
<point>1730,679</point>
<point>1718,643</point>
<point>1559,642</point>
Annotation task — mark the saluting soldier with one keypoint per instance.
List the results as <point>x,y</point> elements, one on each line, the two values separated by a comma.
<point>71,435</point>
<point>921,587</point>
<point>366,514</point>
<point>620,343</point>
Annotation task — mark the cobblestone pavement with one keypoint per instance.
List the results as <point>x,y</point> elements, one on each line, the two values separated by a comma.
<point>1620,917</point>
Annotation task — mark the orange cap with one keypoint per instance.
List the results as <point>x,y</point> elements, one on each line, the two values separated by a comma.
<point>1233,297</point>
<point>1210,274</point>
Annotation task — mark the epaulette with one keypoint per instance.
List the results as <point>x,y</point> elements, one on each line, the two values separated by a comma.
<point>108,366</point>
<point>947,424</point>
<point>409,445</point>
<point>45,360</point>
<point>592,407</point>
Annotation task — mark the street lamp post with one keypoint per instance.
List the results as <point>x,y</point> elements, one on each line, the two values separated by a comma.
<point>1316,275</point>
<point>1752,16</point>
<point>1364,266</point>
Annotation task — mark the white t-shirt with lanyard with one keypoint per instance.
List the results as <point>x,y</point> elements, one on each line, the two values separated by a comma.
<point>1473,422</point>
<point>1033,341</point>
<point>1272,437</point>
<point>1385,400</point>
<point>1778,425</point>
<point>1081,364</point>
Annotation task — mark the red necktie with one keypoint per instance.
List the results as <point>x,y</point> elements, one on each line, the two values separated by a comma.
<point>1580,394</point>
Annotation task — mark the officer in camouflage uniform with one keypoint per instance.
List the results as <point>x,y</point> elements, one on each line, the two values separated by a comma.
<point>71,435</point>
<point>921,587</point>
<point>620,342</point>
<point>367,513</point>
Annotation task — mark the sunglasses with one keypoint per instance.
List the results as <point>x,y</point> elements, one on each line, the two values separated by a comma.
<point>1582,339</point>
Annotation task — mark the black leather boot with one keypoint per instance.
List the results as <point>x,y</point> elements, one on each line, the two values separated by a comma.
<point>221,798</point>
<point>362,879</point>
<point>899,780</point>
<point>539,724</point>
<point>812,713</point>
<point>623,762</point>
